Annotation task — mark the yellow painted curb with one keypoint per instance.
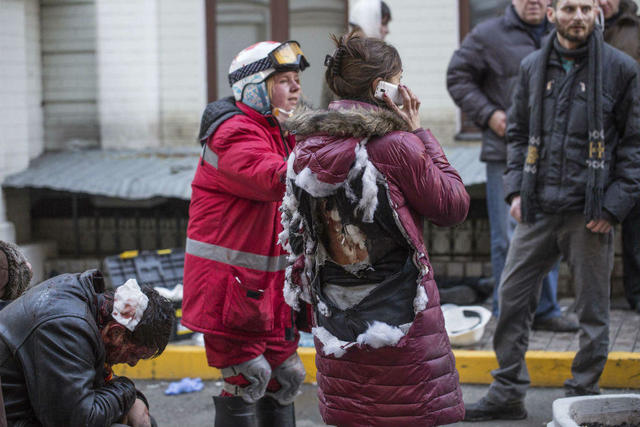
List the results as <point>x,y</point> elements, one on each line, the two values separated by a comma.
<point>179,361</point>
<point>546,368</point>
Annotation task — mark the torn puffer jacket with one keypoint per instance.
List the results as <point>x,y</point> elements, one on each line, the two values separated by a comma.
<point>410,378</point>
<point>234,267</point>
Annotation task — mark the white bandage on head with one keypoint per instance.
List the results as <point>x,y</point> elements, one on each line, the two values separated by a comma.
<point>129,304</point>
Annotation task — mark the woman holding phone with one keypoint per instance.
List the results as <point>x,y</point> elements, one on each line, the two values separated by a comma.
<point>362,178</point>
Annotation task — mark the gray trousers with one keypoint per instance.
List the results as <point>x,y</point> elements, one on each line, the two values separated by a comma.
<point>534,250</point>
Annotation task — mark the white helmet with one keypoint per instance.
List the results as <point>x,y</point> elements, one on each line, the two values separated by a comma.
<point>251,67</point>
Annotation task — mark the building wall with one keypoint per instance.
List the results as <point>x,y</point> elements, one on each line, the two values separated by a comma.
<point>425,32</point>
<point>151,72</point>
<point>69,82</point>
<point>311,22</point>
<point>14,110</point>
<point>20,111</point>
<point>182,70</point>
<point>128,73</point>
<point>34,78</point>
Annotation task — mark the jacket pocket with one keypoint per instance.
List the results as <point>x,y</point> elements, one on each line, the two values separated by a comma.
<point>247,307</point>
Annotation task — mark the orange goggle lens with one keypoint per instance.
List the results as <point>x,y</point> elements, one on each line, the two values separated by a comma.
<point>287,54</point>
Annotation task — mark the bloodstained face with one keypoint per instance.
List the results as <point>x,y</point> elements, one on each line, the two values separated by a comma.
<point>119,348</point>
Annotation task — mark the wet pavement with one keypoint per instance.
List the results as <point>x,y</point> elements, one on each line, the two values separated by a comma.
<point>196,409</point>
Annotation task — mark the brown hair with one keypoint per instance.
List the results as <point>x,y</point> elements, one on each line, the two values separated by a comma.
<point>356,63</point>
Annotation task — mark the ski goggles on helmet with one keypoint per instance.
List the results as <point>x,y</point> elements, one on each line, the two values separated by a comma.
<point>286,57</point>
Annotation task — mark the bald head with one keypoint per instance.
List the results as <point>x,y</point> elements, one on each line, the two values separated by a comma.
<point>531,11</point>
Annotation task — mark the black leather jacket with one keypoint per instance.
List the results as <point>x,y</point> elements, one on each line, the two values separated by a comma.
<point>52,357</point>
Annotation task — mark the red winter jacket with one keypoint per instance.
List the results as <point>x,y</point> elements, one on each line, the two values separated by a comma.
<point>234,267</point>
<point>415,382</point>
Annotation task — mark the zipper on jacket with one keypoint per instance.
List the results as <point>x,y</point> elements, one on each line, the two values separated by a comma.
<point>289,333</point>
<point>274,122</point>
<point>416,253</point>
<point>572,93</point>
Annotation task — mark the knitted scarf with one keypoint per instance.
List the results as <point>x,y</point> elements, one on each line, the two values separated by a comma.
<point>595,162</point>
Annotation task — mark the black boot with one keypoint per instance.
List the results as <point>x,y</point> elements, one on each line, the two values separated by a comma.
<point>234,411</point>
<point>272,414</point>
<point>483,410</point>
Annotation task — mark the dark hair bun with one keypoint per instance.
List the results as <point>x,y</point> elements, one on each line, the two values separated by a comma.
<point>356,63</point>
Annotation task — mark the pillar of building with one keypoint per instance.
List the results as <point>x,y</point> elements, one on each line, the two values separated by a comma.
<point>128,73</point>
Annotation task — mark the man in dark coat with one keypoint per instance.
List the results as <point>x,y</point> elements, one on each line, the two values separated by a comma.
<point>481,78</point>
<point>622,31</point>
<point>58,342</point>
<point>573,170</point>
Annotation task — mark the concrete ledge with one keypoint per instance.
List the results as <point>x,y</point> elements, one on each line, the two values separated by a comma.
<point>547,369</point>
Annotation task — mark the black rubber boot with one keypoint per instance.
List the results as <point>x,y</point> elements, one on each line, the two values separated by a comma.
<point>272,414</point>
<point>234,412</point>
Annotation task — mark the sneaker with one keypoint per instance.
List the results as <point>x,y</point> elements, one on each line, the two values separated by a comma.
<point>563,323</point>
<point>483,410</point>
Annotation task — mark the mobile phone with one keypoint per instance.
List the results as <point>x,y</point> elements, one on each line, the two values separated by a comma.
<point>390,89</point>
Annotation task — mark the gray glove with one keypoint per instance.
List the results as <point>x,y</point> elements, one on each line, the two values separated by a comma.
<point>257,371</point>
<point>290,374</point>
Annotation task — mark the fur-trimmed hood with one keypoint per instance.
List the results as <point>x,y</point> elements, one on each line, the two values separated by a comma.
<point>346,118</point>
<point>19,273</point>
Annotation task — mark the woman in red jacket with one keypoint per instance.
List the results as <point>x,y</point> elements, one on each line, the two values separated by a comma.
<point>361,180</point>
<point>234,268</point>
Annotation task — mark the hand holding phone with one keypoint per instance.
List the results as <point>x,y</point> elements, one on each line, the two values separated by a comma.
<point>390,90</point>
<point>410,110</point>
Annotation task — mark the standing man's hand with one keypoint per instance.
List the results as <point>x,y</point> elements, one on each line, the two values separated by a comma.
<point>498,123</point>
<point>599,226</point>
<point>138,415</point>
<point>515,210</point>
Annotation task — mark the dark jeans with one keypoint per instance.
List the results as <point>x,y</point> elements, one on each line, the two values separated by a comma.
<point>501,226</point>
<point>534,250</point>
<point>631,256</point>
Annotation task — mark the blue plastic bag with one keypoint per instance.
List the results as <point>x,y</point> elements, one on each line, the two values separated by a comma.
<point>185,385</point>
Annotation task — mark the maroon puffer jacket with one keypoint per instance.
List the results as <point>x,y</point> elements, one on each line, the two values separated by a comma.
<point>414,382</point>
